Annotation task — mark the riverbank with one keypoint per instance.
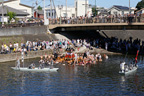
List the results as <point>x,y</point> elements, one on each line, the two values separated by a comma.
<point>96,50</point>
<point>36,54</point>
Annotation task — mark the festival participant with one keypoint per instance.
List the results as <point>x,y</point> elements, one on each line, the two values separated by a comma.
<point>18,62</point>
<point>131,66</point>
<point>45,59</point>
<point>11,47</point>
<point>105,56</point>
<point>122,66</point>
<point>84,55</point>
<point>126,68</point>
<point>41,66</point>
<point>76,58</point>
<point>98,57</point>
<point>85,61</point>
<point>32,66</point>
<point>51,62</point>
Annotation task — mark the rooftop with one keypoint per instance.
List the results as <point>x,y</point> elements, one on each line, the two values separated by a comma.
<point>121,7</point>
<point>9,9</point>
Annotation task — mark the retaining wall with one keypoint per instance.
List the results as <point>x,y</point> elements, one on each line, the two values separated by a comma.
<point>32,54</point>
<point>23,30</point>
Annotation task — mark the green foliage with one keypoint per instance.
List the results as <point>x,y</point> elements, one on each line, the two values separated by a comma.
<point>140,5</point>
<point>94,11</point>
<point>39,8</point>
<point>11,15</point>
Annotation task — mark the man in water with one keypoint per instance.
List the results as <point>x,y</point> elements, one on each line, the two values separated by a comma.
<point>41,66</point>
<point>76,59</point>
<point>122,66</point>
<point>51,62</point>
<point>18,63</point>
<point>32,66</point>
<point>135,62</point>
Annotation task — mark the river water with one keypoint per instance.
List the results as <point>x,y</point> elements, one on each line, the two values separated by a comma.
<point>101,79</point>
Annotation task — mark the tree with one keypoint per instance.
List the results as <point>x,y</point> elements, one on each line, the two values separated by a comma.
<point>94,11</point>
<point>39,8</point>
<point>140,5</point>
<point>11,15</point>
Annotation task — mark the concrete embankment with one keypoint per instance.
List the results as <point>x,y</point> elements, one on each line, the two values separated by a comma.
<point>23,31</point>
<point>96,50</point>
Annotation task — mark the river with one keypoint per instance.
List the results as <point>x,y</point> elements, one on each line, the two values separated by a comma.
<point>101,79</point>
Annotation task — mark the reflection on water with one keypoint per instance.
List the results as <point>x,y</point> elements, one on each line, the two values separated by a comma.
<point>93,80</point>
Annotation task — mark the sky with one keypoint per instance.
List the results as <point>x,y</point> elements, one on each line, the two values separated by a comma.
<point>100,3</point>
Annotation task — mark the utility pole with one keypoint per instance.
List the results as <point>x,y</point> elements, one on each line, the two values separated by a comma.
<point>60,8</point>
<point>44,12</point>
<point>95,8</point>
<point>85,7</point>
<point>36,9</point>
<point>66,11</point>
<point>2,14</point>
<point>33,10</point>
<point>129,7</point>
<point>51,10</point>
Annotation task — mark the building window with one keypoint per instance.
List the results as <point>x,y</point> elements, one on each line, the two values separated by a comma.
<point>73,15</point>
<point>122,12</point>
<point>64,14</point>
<point>115,13</point>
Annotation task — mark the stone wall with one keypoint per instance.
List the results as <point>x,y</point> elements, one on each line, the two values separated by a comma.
<point>32,54</point>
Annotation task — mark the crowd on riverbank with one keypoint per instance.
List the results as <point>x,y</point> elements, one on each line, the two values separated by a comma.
<point>33,46</point>
<point>110,44</point>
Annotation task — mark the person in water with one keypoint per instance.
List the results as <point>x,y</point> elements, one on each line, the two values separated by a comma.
<point>32,66</point>
<point>41,66</point>
<point>122,66</point>
<point>18,62</point>
<point>51,63</point>
<point>75,58</point>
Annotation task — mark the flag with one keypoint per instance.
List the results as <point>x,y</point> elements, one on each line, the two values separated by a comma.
<point>137,53</point>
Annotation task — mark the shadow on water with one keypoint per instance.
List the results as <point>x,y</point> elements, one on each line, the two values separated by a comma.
<point>101,79</point>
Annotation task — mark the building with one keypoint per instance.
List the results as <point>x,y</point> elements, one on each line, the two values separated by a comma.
<point>19,14</point>
<point>81,8</point>
<point>18,6</point>
<point>60,11</point>
<point>120,10</point>
<point>39,14</point>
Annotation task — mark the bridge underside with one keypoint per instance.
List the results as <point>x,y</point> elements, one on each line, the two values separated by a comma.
<point>114,26</point>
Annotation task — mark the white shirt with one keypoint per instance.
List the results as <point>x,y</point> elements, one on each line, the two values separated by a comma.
<point>122,65</point>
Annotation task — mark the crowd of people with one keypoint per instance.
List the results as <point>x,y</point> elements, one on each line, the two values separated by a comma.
<point>112,44</point>
<point>70,57</point>
<point>98,19</point>
<point>33,46</point>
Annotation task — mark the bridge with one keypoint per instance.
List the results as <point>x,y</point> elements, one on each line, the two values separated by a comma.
<point>97,26</point>
<point>96,23</point>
